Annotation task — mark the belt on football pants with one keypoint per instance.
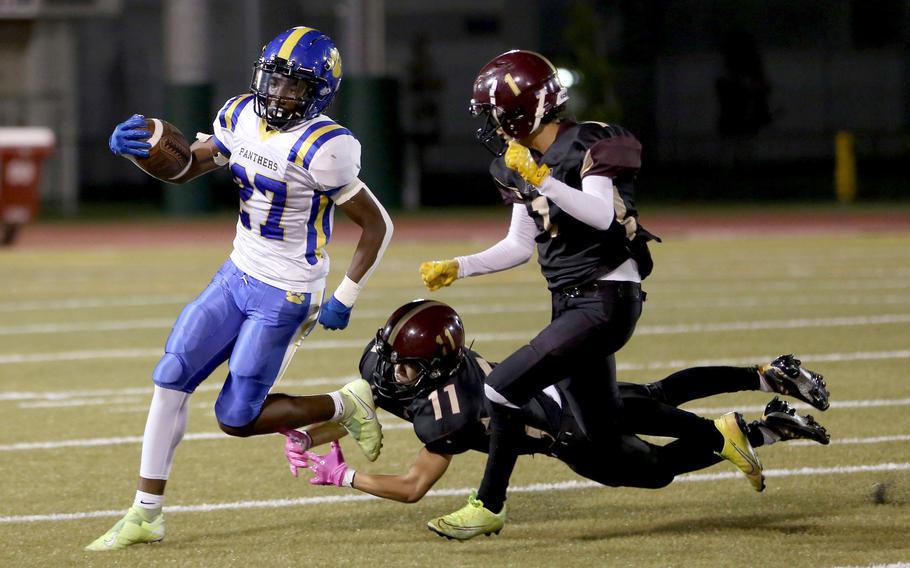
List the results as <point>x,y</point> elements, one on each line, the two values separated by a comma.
<point>621,289</point>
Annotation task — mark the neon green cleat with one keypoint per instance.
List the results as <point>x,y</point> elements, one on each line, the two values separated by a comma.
<point>738,450</point>
<point>360,417</point>
<point>131,529</point>
<point>471,520</point>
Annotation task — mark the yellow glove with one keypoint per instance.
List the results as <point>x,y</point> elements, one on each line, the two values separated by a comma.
<point>438,273</point>
<point>518,158</point>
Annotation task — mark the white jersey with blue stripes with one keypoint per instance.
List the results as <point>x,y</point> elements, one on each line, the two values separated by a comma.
<point>290,183</point>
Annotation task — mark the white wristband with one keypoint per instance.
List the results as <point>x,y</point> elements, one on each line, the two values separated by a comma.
<point>347,292</point>
<point>348,479</point>
<point>306,441</point>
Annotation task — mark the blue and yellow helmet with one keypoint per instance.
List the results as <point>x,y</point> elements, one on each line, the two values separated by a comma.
<point>296,77</point>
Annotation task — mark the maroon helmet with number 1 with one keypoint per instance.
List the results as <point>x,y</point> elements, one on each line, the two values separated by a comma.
<point>516,92</point>
<point>427,336</point>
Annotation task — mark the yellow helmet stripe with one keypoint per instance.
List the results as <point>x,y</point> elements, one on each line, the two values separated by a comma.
<point>408,316</point>
<point>291,42</point>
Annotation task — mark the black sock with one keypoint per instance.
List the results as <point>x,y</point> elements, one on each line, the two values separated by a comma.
<point>505,434</point>
<point>700,382</point>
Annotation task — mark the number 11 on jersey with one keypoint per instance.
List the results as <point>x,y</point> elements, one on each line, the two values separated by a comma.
<point>453,401</point>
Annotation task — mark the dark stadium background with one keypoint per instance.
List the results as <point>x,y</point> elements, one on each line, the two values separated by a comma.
<point>671,71</point>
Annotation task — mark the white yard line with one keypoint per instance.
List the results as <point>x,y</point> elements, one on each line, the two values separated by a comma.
<point>840,404</point>
<point>121,440</point>
<point>147,390</point>
<point>894,565</point>
<point>542,307</point>
<point>472,291</point>
<point>94,326</point>
<point>751,325</point>
<point>533,488</point>
<point>389,423</point>
<point>93,303</point>
<point>341,380</point>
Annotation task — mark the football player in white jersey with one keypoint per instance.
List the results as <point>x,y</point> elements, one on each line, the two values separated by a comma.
<point>294,166</point>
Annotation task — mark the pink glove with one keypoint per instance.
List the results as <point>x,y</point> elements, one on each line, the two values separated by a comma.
<point>328,469</point>
<point>295,448</point>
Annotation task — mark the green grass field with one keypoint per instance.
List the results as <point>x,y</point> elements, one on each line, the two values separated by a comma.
<point>80,332</point>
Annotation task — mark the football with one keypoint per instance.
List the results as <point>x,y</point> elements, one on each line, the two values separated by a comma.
<point>169,156</point>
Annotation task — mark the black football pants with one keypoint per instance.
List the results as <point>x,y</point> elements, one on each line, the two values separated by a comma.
<point>652,409</point>
<point>588,326</point>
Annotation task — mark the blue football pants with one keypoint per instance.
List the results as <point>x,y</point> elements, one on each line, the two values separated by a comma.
<point>255,326</point>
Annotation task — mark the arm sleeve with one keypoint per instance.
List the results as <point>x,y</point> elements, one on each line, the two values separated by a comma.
<point>593,205</point>
<point>348,191</point>
<point>516,248</point>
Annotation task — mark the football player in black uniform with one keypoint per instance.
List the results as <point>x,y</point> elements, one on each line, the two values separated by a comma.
<point>421,371</point>
<point>571,185</point>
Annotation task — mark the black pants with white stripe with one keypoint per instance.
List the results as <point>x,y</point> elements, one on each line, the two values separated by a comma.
<point>587,327</point>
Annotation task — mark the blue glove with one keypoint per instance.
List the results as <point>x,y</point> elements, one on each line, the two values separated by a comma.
<point>334,314</point>
<point>129,137</point>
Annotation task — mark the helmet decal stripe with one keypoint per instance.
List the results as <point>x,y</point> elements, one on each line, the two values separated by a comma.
<point>303,137</point>
<point>492,92</point>
<point>542,58</point>
<point>393,335</point>
<point>510,81</point>
<point>539,111</point>
<point>291,42</point>
<point>310,140</point>
<point>337,131</point>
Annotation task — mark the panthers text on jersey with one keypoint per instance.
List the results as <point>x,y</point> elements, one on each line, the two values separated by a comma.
<point>290,183</point>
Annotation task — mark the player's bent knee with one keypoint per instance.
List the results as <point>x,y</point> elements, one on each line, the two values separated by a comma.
<point>652,482</point>
<point>244,431</point>
<point>170,373</point>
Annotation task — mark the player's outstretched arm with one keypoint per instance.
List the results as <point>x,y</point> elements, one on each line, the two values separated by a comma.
<point>128,140</point>
<point>206,157</point>
<point>515,249</point>
<point>376,232</point>
<point>437,274</point>
<point>428,468</point>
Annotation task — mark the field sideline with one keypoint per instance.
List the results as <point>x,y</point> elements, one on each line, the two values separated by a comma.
<point>85,310</point>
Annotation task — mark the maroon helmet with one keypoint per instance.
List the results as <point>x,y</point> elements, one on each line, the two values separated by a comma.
<point>426,334</point>
<point>516,91</point>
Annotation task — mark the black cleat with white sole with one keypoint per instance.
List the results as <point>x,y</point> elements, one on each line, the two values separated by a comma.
<point>787,376</point>
<point>783,420</point>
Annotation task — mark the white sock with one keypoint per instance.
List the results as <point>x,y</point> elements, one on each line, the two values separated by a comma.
<point>339,404</point>
<point>164,429</point>
<point>149,501</point>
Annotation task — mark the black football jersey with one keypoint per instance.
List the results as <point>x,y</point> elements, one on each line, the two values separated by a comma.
<point>570,252</point>
<point>452,418</point>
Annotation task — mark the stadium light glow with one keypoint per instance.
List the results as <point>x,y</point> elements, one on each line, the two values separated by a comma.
<point>567,77</point>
